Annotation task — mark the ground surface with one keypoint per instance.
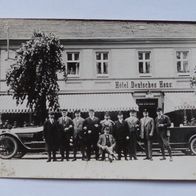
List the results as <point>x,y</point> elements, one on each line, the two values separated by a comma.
<point>35,166</point>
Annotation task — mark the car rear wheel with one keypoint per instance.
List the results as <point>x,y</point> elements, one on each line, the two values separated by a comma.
<point>8,147</point>
<point>193,146</point>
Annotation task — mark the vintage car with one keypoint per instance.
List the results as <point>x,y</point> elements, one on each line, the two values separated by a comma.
<point>16,142</point>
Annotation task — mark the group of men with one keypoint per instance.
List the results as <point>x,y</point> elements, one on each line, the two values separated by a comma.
<point>92,136</point>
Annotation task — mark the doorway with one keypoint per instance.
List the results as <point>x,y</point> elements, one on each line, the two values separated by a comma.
<point>149,104</point>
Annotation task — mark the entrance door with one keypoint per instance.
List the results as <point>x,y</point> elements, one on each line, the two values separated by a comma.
<point>149,104</point>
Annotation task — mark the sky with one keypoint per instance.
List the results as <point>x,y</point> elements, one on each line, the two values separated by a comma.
<point>97,9</point>
<point>100,9</point>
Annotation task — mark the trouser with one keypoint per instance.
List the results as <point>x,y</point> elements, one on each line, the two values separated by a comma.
<point>51,151</point>
<point>132,145</point>
<point>65,147</point>
<point>108,151</point>
<point>78,144</point>
<point>148,148</point>
<point>164,143</point>
<point>121,146</point>
<point>92,145</point>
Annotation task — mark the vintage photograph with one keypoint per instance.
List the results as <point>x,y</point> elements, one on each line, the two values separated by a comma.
<point>97,99</point>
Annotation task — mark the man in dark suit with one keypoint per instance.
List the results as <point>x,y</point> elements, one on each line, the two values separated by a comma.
<point>162,122</point>
<point>121,135</point>
<point>65,131</point>
<point>92,129</point>
<point>51,136</point>
<point>147,130</point>
<point>133,125</point>
<point>106,144</point>
<point>78,135</point>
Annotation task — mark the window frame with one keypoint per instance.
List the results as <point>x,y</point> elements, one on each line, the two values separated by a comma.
<point>144,61</point>
<point>73,61</point>
<point>181,60</point>
<point>102,75</point>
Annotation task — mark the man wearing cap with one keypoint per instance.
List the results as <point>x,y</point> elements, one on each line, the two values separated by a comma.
<point>107,122</point>
<point>78,137</point>
<point>92,129</point>
<point>133,125</point>
<point>51,136</point>
<point>106,144</point>
<point>65,131</point>
<point>121,135</point>
<point>147,130</point>
<point>162,122</point>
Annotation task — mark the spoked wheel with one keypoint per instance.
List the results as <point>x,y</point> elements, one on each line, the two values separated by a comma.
<point>8,147</point>
<point>20,154</point>
<point>193,146</point>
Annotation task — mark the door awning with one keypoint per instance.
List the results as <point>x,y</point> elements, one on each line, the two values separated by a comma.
<point>98,102</point>
<point>179,101</point>
<point>8,105</point>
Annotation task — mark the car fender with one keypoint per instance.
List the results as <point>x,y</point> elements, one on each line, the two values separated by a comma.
<point>15,137</point>
<point>193,136</point>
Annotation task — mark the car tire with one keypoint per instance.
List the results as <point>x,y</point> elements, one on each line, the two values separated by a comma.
<point>193,146</point>
<point>10,146</point>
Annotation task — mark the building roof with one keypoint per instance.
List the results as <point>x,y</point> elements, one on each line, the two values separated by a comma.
<point>97,29</point>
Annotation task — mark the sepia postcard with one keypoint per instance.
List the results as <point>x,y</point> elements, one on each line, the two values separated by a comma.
<point>97,99</point>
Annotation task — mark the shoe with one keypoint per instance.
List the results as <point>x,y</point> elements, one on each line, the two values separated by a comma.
<point>83,159</point>
<point>146,158</point>
<point>150,159</point>
<point>67,159</point>
<point>49,160</point>
<point>54,160</point>
<point>110,159</point>
<point>62,159</point>
<point>135,158</point>
<point>171,159</point>
<point>162,159</point>
<point>74,159</point>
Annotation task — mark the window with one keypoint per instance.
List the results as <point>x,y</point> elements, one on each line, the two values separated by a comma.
<point>144,62</point>
<point>182,61</point>
<point>102,63</point>
<point>73,63</point>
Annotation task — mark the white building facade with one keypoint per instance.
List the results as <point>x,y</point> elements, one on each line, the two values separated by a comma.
<point>113,65</point>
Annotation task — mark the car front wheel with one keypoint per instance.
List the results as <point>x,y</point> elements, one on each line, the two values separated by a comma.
<point>193,146</point>
<point>8,147</point>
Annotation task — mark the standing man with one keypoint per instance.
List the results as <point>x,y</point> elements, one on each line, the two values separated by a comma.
<point>147,130</point>
<point>65,132</point>
<point>107,122</point>
<point>92,129</point>
<point>106,144</point>
<point>133,125</point>
<point>121,135</point>
<point>51,136</point>
<point>78,136</point>
<point>162,123</point>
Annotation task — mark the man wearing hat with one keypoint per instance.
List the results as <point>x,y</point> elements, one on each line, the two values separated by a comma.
<point>133,125</point>
<point>78,137</point>
<point>51,136</point>
<point>162,122</point>
<point>107,122</point>
<point>92,130</point>
<point>106,144</point>
<point>121,135</point>
<point>66,131</point>
<point>147,130</point>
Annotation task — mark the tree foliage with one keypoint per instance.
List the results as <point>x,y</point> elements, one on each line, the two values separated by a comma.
<point>34,75</point>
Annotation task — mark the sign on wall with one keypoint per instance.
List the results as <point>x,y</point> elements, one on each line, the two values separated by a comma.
<point>145,84</point>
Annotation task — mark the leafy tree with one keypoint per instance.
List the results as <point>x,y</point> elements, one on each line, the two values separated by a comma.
<point>33,77</point>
